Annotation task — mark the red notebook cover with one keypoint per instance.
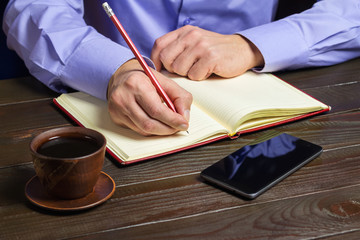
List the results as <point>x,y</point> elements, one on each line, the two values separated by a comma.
<point>121,161</point>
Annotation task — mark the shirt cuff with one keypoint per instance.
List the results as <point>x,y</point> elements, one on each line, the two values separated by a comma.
<point>90,68</point>
<point>280,44</point>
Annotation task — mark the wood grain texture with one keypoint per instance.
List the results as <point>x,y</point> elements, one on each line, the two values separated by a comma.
<point>165,198</point>
<point>332,185</point>
<point>20,123</point>
<point>305,217</point>
<point>23,89</point>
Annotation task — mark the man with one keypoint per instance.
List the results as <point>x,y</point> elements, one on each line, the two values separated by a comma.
<point>197,38</point>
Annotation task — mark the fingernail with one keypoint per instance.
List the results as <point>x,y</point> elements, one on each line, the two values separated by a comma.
<point>183,127</point>
<point>187,115</point>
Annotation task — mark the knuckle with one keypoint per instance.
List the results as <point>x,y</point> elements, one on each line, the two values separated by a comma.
<point>177,68</point>
<point>194,33</point>
<point>159,43</point>
<point>132,82</point>
<point>187,27</point>
<point>162,56</point>
<point>188,96</point>
<point>115,100</point>
<point>212,55</point>
<point>146,134</point>
<point>190,28</point>
<point>193,77</point>
<point>147,126</point>
<point>154,112</point>
<point>204,45</point>
<point>197,75</point>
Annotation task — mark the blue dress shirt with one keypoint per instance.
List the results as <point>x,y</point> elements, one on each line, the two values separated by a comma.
<point>73,44</point>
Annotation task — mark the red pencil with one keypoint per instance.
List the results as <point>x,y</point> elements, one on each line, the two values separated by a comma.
<point>138,56</point>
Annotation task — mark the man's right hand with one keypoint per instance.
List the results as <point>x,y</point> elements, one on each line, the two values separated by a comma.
<point>133,102</point>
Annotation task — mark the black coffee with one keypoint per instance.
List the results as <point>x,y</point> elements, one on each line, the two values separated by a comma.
<point>67,147</point>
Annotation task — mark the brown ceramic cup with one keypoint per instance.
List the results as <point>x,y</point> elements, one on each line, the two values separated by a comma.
<point>68,160</point>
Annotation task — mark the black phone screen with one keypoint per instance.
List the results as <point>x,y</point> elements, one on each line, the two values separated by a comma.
<point>253,169</point>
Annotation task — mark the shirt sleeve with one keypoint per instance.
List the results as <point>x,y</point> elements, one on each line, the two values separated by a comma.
<point>326,34</point>
<point>59,48</point>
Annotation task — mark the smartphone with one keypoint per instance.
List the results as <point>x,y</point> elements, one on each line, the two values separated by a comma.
<point>254,168</point>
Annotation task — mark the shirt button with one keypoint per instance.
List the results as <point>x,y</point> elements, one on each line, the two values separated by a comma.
<point>187,21</point>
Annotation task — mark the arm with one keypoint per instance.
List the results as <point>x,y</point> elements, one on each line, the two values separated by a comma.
<point>59,48</point>
<point>62,51</point>
<point>326,34</point>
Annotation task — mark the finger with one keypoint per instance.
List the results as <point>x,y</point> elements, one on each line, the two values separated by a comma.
<point>167,47</point>
<point>160,44</point>
<point>126,122</point>
<point>135,103</point>
<point>150,126</point>
<point>198,52</point>
<point>136,118</point>
<point>160,119</point>
<point>182,63</point>
<point>196,62</point>
<point>181,98</point>
<point>118,111</point>
<point>169,53</point>
<point>149,114</point>
<point>202,69</point>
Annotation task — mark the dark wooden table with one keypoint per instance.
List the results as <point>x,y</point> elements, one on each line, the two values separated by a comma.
<point>165,198</point>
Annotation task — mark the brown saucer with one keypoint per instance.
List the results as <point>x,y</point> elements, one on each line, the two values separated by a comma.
<point>103,190</point>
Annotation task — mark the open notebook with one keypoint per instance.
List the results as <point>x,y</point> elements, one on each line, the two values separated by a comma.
<point>222,108</point>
